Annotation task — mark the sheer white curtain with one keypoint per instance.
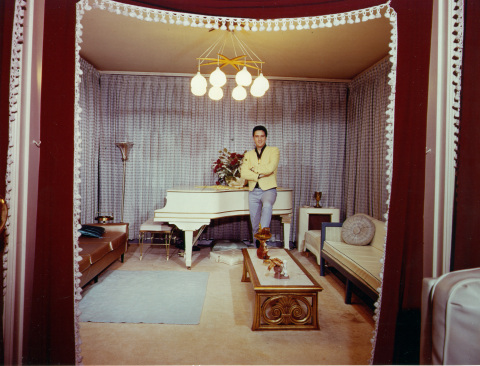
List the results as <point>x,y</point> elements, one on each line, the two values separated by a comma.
<point>177,136</point>
<point>365,166</point>
<point>89,102</point>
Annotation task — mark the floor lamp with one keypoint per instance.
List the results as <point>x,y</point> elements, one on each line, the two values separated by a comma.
<point>125,149</point>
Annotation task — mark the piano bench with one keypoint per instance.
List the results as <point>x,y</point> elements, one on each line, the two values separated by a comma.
<point>156,227</point>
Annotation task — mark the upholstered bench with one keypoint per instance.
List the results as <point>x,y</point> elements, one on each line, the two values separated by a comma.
<point>155,227</point>
<point>360,263</point>
<point>99,252</point>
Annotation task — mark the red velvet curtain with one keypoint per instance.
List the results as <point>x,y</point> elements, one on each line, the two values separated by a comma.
<point>51,337</point>
<point>466,251</point>
<point>52,334</point>
<point>404,256</point>
<point>259,9</point>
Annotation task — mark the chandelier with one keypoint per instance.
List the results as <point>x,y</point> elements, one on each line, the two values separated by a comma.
<point>241,63</point>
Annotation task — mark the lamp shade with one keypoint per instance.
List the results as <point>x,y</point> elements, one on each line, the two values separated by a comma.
<point>198,82</point>
<point>243,77</point>
<point>218,78</point>
<point>239,93</point>
<point>124,149</point>
<point>215,93</point>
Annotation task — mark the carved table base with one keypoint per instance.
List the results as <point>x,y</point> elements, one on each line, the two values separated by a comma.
<point>285,312</point>
<point>282,307</point>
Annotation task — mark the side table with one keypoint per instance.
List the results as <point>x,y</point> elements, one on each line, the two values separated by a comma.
<point>305,212</point>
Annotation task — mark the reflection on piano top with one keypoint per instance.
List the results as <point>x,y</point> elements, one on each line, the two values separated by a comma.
<point>209,189</point>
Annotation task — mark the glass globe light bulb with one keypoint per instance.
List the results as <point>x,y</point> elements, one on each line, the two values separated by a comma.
<point>198,91</point>
<point>263,82</point>
<point>256,89</point>
<point>215,93</point>
<point>243,77</point>
<point>239,93</point>
<point>218,78</point>
<point>198,81</point>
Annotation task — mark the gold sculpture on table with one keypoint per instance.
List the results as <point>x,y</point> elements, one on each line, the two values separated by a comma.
<point>262,236</point>
<point>318,197</point>
<point>279,267</point>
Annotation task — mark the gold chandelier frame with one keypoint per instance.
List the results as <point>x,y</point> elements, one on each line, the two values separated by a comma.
<point>218,78</point>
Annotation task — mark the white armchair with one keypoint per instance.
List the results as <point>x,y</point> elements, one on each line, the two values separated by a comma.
<point>450,333</point>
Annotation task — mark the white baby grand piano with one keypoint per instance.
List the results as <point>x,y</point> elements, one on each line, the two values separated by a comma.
<point>191,209</point>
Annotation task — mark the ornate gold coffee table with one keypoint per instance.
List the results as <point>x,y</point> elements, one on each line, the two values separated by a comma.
<point>281,304</point>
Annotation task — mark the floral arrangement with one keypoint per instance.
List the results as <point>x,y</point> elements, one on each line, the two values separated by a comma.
<point>227,166</point>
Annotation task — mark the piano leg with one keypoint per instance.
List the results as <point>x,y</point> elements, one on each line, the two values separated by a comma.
<point>286,220</point>
<point>189,227</point>
<point>188,248</point>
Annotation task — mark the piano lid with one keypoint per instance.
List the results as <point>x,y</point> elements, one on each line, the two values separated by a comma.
<point>212,202</point>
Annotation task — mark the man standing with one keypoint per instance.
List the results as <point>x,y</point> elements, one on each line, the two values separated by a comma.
<point>259,168</point>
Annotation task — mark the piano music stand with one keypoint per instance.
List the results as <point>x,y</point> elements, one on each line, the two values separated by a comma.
<point>155,227</point>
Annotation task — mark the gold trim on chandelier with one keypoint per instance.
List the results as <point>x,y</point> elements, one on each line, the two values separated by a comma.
<point>225,61</point>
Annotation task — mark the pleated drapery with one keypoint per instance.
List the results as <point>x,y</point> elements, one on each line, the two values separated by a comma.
<point>365,181</point>
<point>89,187</point>
<point>177,137</point>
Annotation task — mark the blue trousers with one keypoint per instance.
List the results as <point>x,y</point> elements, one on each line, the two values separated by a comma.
<point>261,206</point>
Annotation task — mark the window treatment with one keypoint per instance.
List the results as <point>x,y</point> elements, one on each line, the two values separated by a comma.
<point>365,186</point>
<point>177,137</point>
<point>89,95</point>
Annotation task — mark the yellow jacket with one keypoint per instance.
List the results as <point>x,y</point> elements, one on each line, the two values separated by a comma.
<point>267,165</point>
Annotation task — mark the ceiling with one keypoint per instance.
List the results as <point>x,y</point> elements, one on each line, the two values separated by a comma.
<point>118,43</point>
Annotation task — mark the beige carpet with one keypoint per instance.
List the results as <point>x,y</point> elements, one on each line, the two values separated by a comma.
<point>224,335</point>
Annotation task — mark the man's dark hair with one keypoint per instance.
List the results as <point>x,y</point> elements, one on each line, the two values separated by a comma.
<point>259,128</point>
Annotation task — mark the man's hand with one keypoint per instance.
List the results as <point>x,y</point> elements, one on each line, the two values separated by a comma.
<point>264,175</point>
<point>260,175</point>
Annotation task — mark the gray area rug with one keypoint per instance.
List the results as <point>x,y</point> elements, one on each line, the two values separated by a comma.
<point>157,297</point>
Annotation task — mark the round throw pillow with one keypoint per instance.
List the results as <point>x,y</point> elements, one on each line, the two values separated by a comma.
<point>358,230</point>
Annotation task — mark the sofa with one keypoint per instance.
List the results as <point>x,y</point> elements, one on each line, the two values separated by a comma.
<point>98,253</point>
<point>359,262</point>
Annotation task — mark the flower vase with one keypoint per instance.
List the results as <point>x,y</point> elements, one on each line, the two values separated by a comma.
<point>236,182</point>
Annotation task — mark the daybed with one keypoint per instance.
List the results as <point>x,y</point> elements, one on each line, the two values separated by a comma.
<point>98,253</point>
<point>358,261</point>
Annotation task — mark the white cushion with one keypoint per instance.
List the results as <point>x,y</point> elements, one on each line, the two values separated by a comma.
<point>312,242</point>
<point>223,244</point>
<point>362,261</point>
<point>313,236</point>
<point>358,230</point>
<point>153,226</point>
